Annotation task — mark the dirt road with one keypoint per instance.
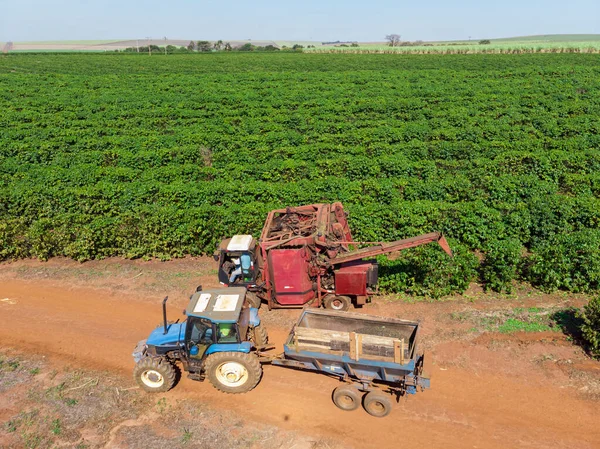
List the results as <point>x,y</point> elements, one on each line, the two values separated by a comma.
<point>464,408</point>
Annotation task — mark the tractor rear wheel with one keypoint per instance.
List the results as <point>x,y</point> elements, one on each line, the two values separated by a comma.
<point>258,336</point>
<point>346,397</point>
<point>253,300</point>
<point>233,372</point>
<point>377,404</point>
<point>341,303</point>
<point>155,375</point>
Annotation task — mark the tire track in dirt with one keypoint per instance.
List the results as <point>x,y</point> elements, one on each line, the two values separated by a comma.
<point>92,329</point>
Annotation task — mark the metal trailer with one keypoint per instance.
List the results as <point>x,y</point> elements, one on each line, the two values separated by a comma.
<point>376,358</point>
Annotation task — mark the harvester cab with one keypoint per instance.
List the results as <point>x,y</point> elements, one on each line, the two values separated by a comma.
<point>237,258</point>
<point>216,340</point>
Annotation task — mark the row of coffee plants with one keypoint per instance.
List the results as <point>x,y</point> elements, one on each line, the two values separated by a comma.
<point>104,155</point>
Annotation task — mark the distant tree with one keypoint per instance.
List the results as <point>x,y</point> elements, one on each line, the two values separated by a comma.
<point>7,47</point>
<point>297,47</point>
<point>218,45</point>
<point>485,42</point>
<point>393,40</point>
<point>247,47</point>
<point>204,46</point>
<point>227,46</point>
<point>354,44</point>
<point>270,48</point>
<point>191,46</point>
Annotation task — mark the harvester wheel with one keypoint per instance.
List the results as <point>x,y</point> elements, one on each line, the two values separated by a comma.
<point>253,300</point>
<point>155,375</point>
<point>346,397</point>
<point>233,372</point>
<point>377,404</point>
<point>258,336</point>
<point>341,303</point>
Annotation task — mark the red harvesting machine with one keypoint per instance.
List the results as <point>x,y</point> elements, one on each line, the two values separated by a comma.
<point>306,255</point>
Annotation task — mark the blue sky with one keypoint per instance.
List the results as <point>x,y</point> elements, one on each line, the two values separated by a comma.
<point>32,20</point>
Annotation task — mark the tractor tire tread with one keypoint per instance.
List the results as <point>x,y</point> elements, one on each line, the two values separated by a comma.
<point>253,299</point>
<point>168,371</point>
<point>259,335</point>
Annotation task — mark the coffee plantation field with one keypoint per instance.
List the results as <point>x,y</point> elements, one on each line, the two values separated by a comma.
<point>162,156</point>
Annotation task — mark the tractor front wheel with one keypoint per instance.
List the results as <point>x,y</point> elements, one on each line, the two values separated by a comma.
<point>155,375</point>
<point>341,303</point>
<point>233,372</point>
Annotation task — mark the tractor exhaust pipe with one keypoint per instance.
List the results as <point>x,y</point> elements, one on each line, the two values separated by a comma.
<point>165,315</point>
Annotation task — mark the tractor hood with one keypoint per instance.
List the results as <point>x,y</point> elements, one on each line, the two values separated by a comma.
<point>175,334</point>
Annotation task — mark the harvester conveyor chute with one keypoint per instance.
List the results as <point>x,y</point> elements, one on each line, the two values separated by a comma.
<point>385,248</point>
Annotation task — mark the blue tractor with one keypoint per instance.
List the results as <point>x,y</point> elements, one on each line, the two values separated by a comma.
<point>219,340</point>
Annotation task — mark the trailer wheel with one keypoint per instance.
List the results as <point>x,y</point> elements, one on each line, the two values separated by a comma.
<point>233,372</point>
<point>377,404</point>
<point>341,303</point>
<point>258,336</point>
<point>155,375</point>
<point>346,397</point>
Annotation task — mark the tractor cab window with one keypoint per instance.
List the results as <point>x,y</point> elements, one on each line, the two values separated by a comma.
<point>199,336</point>
<point>227,333</point>
<point>200,331</point>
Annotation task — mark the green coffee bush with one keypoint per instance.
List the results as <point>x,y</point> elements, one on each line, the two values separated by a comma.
<point>428,271</point>
<point>590,328</point>
<point>566,261</point>
<point>501,264</point>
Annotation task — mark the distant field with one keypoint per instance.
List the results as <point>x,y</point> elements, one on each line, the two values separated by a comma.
<point>112,45</point>
<point>551,43</point>
<point>469,48</point>
<point>84,42</point>
<point>292,43</point>
<point>559,38</point>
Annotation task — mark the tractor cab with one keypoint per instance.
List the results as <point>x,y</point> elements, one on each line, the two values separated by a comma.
<point>237,258</point>
<point>217,321</point>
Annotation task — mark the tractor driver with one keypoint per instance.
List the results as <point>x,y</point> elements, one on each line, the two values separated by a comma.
<point>236,270</point>
<point>226,333</point>
<point>241,267</point>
